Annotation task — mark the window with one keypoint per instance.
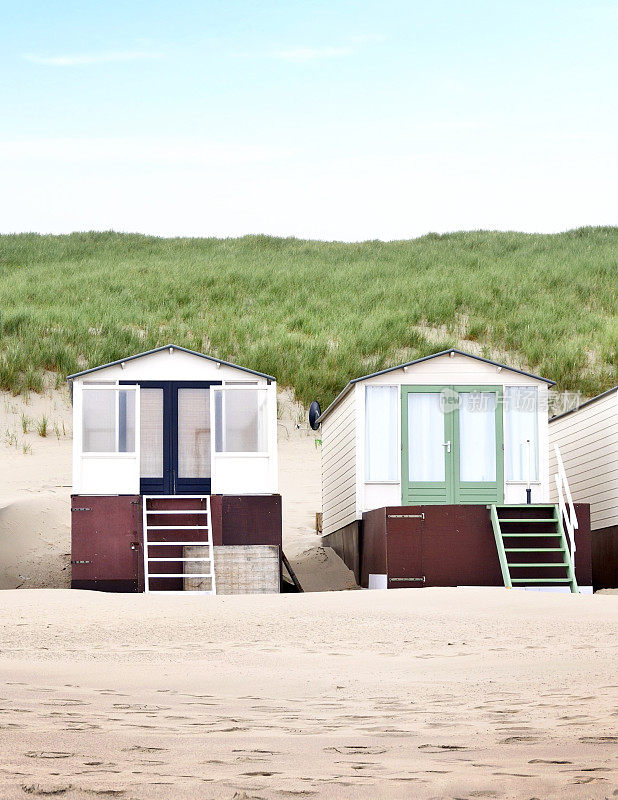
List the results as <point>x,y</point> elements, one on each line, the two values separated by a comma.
<point>108,420</point>
<point>240,420</point>
<point>381,408</point>
<point>521,434</point>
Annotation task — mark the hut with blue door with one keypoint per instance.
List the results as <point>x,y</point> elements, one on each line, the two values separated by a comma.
<point>436,472</point>
<point>174,459</point>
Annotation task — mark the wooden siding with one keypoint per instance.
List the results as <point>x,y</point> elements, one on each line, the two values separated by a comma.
<point>339,466</point>
<point>588,442</point>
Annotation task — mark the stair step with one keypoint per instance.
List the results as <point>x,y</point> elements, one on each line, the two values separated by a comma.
<point>174,544</point>
<point>540,564</point>
<point>174,559</point>
<point>176,511</point>
<point>534,549</point>
<point>527,519</point>
<point>153,575</point>
<point>526,505</point>
<point>177,527</point>
<point>540,580</point>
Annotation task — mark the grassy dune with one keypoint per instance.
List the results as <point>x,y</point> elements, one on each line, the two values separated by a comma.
<point>314,314</point>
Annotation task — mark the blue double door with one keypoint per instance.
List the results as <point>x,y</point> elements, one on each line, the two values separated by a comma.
<point>175,437</point>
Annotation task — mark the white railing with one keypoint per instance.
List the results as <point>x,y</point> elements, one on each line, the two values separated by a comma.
<point>565,502</point>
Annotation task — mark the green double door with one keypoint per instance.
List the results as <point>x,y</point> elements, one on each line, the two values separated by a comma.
<point>452,445</point>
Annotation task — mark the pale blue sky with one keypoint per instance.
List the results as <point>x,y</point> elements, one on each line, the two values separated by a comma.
<point>339,120</point>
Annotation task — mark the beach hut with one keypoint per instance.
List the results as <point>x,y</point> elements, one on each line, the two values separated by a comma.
<point>175,475</point>
<point>425,467</point>
<point>587,438</point>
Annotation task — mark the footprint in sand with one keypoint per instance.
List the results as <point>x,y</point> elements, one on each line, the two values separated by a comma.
<point>47,754</point>
<point>598,739</point>
<point>357,750</point>
<point>43,790</point>
<point>439,748</point>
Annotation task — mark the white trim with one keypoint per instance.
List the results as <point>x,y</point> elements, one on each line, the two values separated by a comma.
<point>250,454</point>
<point>107,454</point>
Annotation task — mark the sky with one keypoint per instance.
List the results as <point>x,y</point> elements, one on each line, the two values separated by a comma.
<point>323,120</point>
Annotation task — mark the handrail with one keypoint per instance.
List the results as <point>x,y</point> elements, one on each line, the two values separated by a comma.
<point>567,509</point>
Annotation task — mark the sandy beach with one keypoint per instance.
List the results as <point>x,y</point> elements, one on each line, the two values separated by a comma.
<point>435,693</point>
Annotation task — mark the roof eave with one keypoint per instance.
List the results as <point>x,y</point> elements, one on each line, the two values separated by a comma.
<point>171,347</point>
<point>584,404</point>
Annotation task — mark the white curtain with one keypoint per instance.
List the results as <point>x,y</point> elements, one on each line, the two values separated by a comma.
<point>151,433</point>
<point>425,437</point>
<point>381,446</point>
<point>193,433</point>
<point>521,426</point>
<point>477,436</point>
<point>241,424</point>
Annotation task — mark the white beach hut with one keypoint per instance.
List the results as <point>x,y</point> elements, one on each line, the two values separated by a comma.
<point>174,468</point>
<point>443,463</point>
<point>587,438</point>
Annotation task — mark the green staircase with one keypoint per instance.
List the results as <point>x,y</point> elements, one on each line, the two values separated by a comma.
<point>532,546</point>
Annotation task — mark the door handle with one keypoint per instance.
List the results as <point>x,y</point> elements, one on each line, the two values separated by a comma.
<point>447,445</point>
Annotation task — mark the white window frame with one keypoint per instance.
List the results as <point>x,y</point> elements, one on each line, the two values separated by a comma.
<point>115,387</point>
<point>238,386</point>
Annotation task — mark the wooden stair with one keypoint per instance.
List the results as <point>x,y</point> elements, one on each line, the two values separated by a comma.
<point>532,546</point>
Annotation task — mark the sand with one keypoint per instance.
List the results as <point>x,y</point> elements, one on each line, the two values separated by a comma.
<point>433,693</point>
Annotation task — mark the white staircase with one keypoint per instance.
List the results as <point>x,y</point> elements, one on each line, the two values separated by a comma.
<point>165,537</point>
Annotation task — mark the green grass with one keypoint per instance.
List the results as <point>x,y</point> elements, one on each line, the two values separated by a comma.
<point>314,314</point>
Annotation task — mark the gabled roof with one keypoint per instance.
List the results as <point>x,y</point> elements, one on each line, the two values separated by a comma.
<point>419,361</point>
<point>586,403</point>
<point>170,347</point>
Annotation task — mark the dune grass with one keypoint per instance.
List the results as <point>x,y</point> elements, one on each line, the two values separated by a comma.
<point>314,314</point>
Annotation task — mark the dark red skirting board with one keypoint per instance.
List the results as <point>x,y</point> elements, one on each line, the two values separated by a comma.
<point>107,539</point>
<point>453,545</point>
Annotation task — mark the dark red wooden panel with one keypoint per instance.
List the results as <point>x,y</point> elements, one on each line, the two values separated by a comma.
<point>404,547</point>
<point>106,543</point>
<point>250,519</point>
<point>459,548</point>
<point>373,545</point>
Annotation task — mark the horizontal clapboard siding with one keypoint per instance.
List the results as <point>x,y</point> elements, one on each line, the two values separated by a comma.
<point>588,442</point>
<point>339,466</point>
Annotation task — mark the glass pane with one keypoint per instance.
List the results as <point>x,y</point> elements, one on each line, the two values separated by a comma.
<point>99,421</point>
<point>151,433</point>
<point>241,421</point>
<point>521,427</point>
<point>193,433</point>
<point>477,436</point>
<point>425,437</point>
<point>126,421</point>
<point>381,433</point>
